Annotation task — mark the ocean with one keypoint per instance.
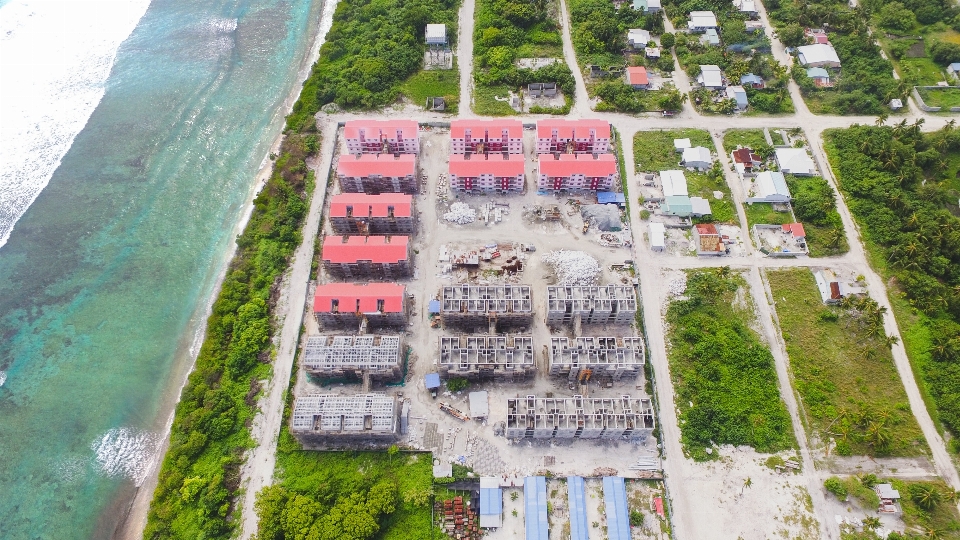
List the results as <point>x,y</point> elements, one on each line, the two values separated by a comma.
<point>131,132</point>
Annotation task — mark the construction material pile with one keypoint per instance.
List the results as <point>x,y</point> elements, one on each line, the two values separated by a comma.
<point>573,267</point>
<point>678,286</point>
<point>605,217</point>
<point>460,213</point>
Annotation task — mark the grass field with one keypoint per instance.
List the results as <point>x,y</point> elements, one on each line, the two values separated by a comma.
<point>749,138</point>
<point>764,214</point>
<point>703,185</point>
<point>849,387</point>
<point>940,97</point>
<point>485,104</point>
<point>826,236</point>
<point>653,150</point>
<point>434,83</point>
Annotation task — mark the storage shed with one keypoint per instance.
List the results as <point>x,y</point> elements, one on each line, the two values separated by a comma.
<point>658,237</point>
<point>491,502</point>
<point>576,499</point>
<point>615,502</point>
<point>535,508</point>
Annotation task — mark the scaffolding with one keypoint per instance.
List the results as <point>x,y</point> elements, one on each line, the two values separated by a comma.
<point>352,356</point>
<point>487,357</point>
<point>579,417</point>
<point>604,357</point>
<point>591,304</point>
<point>500,306</point>
<point>325,418</point>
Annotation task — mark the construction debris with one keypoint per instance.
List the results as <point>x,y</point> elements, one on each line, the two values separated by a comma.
<point>461,213</point>
<point>573,267</point>
<point>678,286</point>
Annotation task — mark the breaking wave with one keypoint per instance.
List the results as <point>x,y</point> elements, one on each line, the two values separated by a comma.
<point>127,453</point>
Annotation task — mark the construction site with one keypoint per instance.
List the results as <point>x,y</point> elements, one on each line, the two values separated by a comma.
<point>513,328</point>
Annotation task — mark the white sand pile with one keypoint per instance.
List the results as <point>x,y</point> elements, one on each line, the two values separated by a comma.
<point>460,213</point>
<point>573,267</point>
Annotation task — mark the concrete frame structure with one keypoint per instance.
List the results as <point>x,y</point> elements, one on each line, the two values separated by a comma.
<point>382,136</point>
<point>487,357</point>
<point>352,356</point>
<point>487,173</point>
<point>358,213</point>
<point>332,418</point>
<point>591,304</point>
<point>598,357</point>
<point>580,172</point>
<point>579,417</point>
<point>482,305</point>
<point>378,173</point>
<point>573,136</point>
<point>340,305</point>
<point>367,257</point>
<point>484,136</point>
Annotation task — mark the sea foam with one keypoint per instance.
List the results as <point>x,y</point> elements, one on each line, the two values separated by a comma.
<point>57,55</point>
<point>126,452</point>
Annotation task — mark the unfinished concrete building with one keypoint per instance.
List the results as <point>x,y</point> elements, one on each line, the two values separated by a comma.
<point>487,357</point>
<point>359,213</point>
<point>579,417</point>
<point>496,306</point>
<point>367,257</point>
<point>591,304</point>
<point>324,419</point>
<point>353,356</point>
<point>586,358</point>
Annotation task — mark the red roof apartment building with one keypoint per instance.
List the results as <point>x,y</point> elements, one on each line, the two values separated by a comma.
<point>491,172</point>
<point>377,173</point>
<point>573,136</point>
<point>359,213</point>
<point>382,136</point>
<point>482,136</point>
<point>338,305</point>
<point>367,257</point>
<point>577,172</point>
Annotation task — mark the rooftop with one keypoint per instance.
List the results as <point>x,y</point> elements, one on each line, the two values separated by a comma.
<point>817,53</point>
<point>479,164</point>
<point>585,164</point>
<point>567,128</point>
<point>492,128</point>
<point>674,183</point>
<point>376,165</point>
<point>372,205</point>
<point>796,229</point>
<point>356,298</point>
<point>376,249</point>
<point>704,229</point>
<point>372,129</point>
<point>637,75</point>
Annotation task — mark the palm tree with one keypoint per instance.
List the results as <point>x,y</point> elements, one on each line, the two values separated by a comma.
<point>882,119</point>
<point>746,483</point>
<point>926,496</point>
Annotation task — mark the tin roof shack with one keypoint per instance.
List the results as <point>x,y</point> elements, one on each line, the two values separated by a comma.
<point>700,21</point>
<point>377,173</point>
<point>479,406</point>
<point>818,55</point>
<point>577,173</point>
<point>382,136</point>
<point>615,504</point>
<point>697,157</point>
<point>487,173</point>
<point>573,136</point>
<point>707,239</point>
<point>781,240</point>
<point>739,95</point>
<point>436,34</point>
<point>358,213</point>
<point>334,421</point>
<point>745,161</point>
<point>485,136</point>
<point>347,305</point>
<point>367,257</point>
<point>352,356</point>
<point>587,358</point>
<point>768,187</point>
<point>658,236</point>
<point>579,417</point>
<point>496,306</point>
<point>889,498</point>
<point>487,357</point>
<point>491,502</point>
<point>832,288</point>
<point>591,304</point>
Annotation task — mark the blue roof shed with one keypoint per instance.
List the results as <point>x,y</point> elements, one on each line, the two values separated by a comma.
<point>491,507</point>
<point>432,380</point>
<point>433,306</point>
<point>615,501</point>
<point>611,197</point>
<point>577,500</point>
<point>535,507</point>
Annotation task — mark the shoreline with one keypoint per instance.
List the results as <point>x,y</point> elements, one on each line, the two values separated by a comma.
<point>131,526</point>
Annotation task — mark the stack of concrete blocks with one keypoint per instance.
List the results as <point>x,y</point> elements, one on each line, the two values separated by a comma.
<point>579,417</point>
<point>333,418</point>
<point>604,304</point>
<point>604,357</point>
<point>470,306</point>
<point>343,356</point>
<point>487,357</point>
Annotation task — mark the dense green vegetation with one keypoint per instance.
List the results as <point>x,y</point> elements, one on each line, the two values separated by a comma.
<point>372,47</point>
<point>346,495</point>
<point>443,83</point>
<point>200,473</point>
<point>720,366</point>
<point>902,187</point>
<point>505,31</point>
<point>815,205</point>
<point>929,508</point>
<point>843,370</point>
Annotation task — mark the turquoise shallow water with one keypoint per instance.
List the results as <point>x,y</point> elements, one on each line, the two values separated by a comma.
<point>104,279</point>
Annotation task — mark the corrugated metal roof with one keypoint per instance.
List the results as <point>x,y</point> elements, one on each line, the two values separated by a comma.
<point>353,297</point>
<point>610,197</point>
<point>432,380</point>
<point>637,75</point>
<point>577,499</point>
<point>615,502</point>
<point>376,249</point>
<point>535,507</point>
<point>491,501</point>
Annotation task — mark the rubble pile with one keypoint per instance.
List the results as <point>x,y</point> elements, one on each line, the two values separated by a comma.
<point>573,267</point>
<point>678,286</point>
<point>460,213</point>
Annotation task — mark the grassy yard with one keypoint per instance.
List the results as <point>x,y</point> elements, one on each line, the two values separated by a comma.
<point>844,374</point>
<point>814,205</point>
<point>485,104</point>
<point>653,150</point>
<point>940,97</point>
<point>703,185</point>
<point>443,83</point>
<point>764,214</point>
<point>750,138</point>
<point>726,385</point>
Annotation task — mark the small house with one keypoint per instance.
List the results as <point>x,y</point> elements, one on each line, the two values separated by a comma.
<point>674,183</point>
<point>658,237</point>
<point>820,77</point>
<point>795,161</point>
<point>896,104</point>
<point>707,239</point>
<point>747,7</point>
<point>637,78</point>
<point>794,230</point>
<point>818,55</point>
<point>700,21</point>
<point>638,38</point>
<point>677,205</point>
<point>700,207</point>
<point>652,52</point>
<point>679,145</point>
<point>710,77</point>
<point>816,36</point>
<point>710,37</point>
<point>953,68</point>
<point>751,80</point>
<point>436,34</point>
<point>754,27</point>
<point>739,95</point>
<point>647,6</point>
<point>697,157</point>
<point>889,498</point>
<point>769,187</point>
<point>745,161</point>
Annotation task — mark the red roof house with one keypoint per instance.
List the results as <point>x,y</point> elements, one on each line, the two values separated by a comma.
<point>637,77</point>
<point>577,172</point>
<point>377,173</point>
<point>368,257</point>
<point>359,213</point>
<point>499,135</point>
<point>347,304</point>
<point>744,161</point>
<point>490,172</point>
<point>707,239</point>
<point>795,229</point>
<point>382,136</point>
<point>573,136</point>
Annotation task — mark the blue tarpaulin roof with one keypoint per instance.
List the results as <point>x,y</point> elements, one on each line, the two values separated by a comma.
<point>576,495</point>
<point>432,380</point>
<point>433,306</point>
<point>610,197</point>
<point>615,501</point>
<point>535,507</point>
<point>491,501</point>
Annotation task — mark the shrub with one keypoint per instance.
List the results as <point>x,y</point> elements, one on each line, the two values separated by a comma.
<point>457,384</point>
<point>835,485</point>
<point>636,518</point>
<point>944,52</point>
